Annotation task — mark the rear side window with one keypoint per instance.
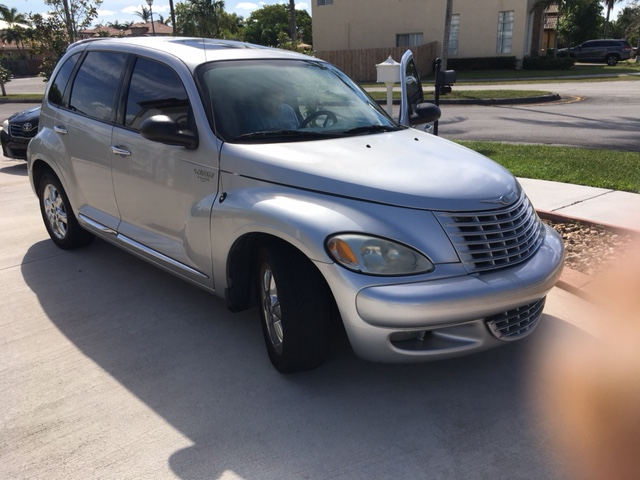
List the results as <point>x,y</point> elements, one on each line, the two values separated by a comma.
<point>96,85</point>
<point>56,92</point>
<point>155,90</point>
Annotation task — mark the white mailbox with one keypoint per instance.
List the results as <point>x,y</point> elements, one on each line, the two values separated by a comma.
<point>388,71</point>
<point>389,74</point>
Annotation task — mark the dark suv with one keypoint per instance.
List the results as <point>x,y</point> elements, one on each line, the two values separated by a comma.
<point>608,51</point>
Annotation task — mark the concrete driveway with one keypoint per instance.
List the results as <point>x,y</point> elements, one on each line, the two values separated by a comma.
<point>111,368</point>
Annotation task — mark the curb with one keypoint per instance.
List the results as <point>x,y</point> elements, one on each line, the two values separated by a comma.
<point>550,97</point>
<point>571,280</point>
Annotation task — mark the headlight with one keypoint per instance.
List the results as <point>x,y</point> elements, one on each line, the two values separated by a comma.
<point>376,256</point>
<point>5,125</point>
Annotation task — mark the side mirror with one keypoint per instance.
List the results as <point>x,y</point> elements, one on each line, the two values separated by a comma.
<point>425,113</point>
<point>163,129</point>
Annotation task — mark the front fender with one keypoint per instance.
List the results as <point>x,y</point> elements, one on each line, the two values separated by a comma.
<point>305,219</point>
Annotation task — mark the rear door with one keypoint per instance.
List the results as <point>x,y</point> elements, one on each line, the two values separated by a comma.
<point>165,193</point>
<point>84,128</point>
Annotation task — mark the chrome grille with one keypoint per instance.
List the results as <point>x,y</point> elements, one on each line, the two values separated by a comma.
<point>17,131</point>
<point>493,239</point>
<point>517,323</point>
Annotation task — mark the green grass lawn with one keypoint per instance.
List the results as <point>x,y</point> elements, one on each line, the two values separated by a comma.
<point>21,97</point>
<point>595,168</point>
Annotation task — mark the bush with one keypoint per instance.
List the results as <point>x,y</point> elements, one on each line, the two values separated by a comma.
<point>547,63</point>
<point>481,63</point>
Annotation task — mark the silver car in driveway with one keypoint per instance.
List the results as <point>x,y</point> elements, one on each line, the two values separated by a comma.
<point>272,180</point>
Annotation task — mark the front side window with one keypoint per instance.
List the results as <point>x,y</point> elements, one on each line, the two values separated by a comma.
<point>454,34</point>
<point>287,100</point>
<point>59,84</point>
<point>408,39</point>
<point>155,90</point>
<point>505,32</point>
<point>96,85</point>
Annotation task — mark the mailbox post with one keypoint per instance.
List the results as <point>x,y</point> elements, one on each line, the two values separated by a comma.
<point>389,74</point>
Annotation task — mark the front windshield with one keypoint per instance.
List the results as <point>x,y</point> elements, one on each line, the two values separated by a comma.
<point>287,100</point>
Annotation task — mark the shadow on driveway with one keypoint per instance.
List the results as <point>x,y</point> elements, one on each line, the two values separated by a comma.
<point>206,372</point>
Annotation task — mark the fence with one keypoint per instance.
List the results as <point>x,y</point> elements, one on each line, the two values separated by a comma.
<point>360,65</point>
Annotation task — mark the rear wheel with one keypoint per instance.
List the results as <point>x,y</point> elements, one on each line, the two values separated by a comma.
<point>295,309</point>
<point>612,60</point>
<point>58,217</point>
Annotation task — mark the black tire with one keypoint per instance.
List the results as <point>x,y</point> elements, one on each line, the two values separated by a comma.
<point>612,60</point>
<point>295,309</point>
<point>58,216</point>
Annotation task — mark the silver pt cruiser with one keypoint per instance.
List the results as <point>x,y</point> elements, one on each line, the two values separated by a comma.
<point>272,180</point>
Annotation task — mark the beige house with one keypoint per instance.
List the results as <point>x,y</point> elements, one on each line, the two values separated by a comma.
<point>479,28</point>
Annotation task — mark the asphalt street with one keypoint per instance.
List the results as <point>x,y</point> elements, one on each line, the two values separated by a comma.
<point>591,114</point>
<point>111,368</point>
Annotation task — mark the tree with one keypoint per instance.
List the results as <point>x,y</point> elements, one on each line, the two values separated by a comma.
<point>120,26</point>
<point>144,14</point>
<point>581,23</point>
<point>15,35</point>
<point>75,15</point>
<point>201,18</point>
<point>5,77</point>
<point>627,24</point>
<point>265,25</point>
<point>49,38</point>
<point>11,15</point>
<point>609,4</point>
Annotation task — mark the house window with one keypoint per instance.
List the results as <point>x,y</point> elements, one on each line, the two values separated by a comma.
<point>325,2</point>
<point>505,32</point>
<point>408,39</point>
<point>454,34</point>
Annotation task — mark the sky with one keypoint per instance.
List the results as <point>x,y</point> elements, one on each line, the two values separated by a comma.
<point>124,10</point>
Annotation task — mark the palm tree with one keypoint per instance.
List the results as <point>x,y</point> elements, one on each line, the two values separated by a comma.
<point>609,6</point>
<point>11,15</point>
<point>144,14</point>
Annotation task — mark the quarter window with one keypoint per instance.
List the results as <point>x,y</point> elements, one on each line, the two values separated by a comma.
<point>155,90</point>
<point>96,85</point>
<point>505,32</point>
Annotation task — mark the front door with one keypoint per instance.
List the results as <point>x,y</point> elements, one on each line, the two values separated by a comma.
<point>165,193</point>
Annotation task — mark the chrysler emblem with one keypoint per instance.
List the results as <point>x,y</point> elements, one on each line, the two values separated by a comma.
<point>502,200</point>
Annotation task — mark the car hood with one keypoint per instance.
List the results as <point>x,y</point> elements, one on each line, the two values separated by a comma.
<point>30,115</point>
<point>407,168</point>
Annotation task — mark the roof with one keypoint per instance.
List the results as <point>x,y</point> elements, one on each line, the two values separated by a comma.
<point>190,51</point>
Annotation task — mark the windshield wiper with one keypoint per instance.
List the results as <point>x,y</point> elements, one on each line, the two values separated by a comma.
<point>371,129</point>
<point>284,135</point>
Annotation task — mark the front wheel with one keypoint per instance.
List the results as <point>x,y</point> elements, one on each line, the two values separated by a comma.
<point>612,60</point>
<point>58,217</point>
<point>295,309</point>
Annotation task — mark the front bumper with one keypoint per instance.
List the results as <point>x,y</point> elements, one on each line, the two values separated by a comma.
<point>454,316</point>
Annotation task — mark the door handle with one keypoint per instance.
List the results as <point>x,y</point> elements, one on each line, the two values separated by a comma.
<point>119,151</point>
<point>60,129</point>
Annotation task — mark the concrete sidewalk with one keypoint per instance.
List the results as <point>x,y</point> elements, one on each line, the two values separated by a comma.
<point>616,210</point>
